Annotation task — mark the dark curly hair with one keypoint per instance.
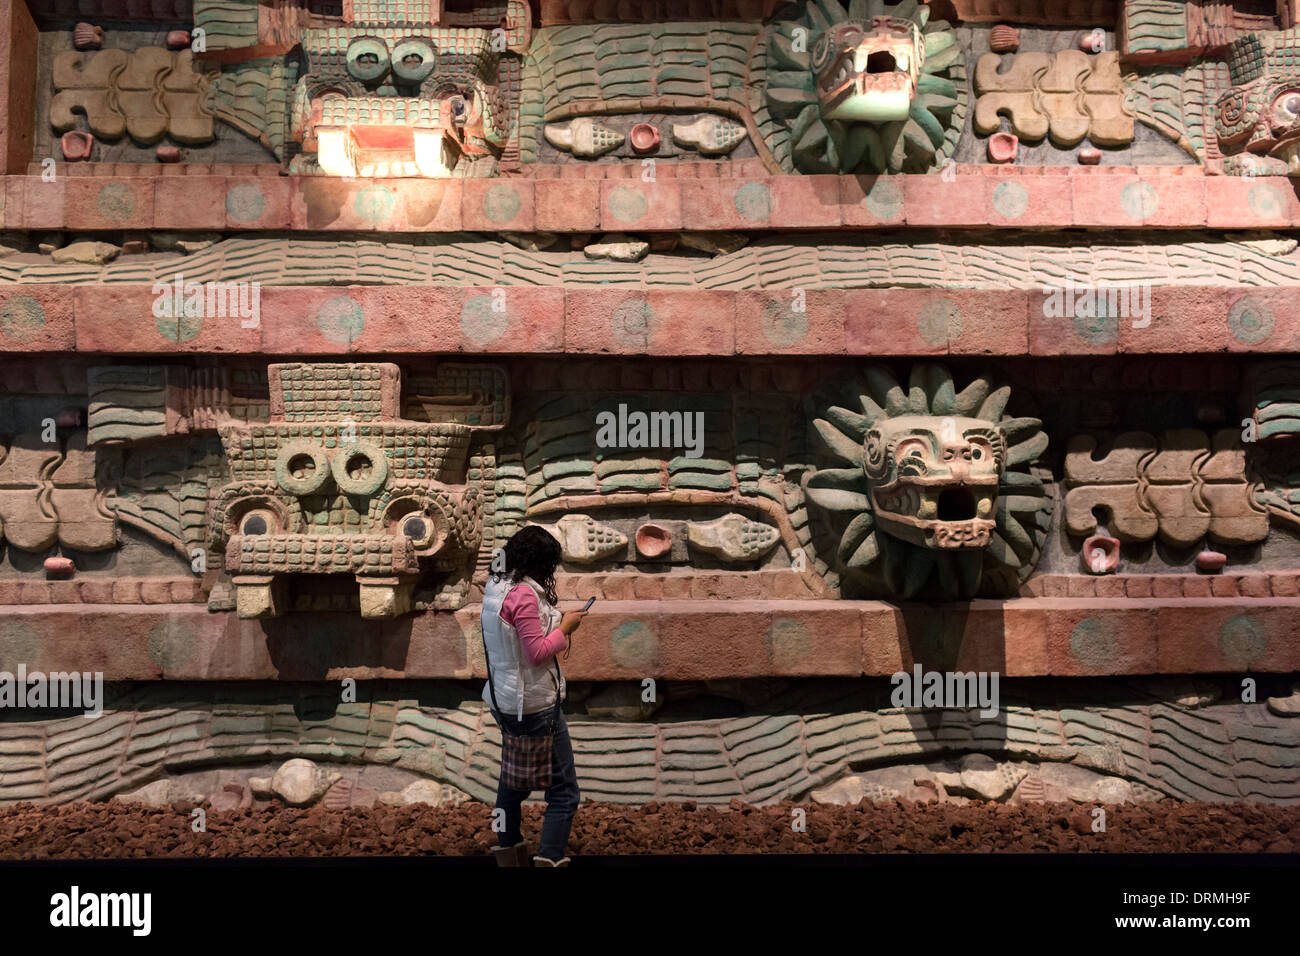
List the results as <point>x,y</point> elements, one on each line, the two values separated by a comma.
<point>532,552</point>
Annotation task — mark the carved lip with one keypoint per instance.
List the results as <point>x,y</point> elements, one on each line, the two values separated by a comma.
<point>938,512</point>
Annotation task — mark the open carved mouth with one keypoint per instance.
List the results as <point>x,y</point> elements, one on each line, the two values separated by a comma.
<point>936,513</point>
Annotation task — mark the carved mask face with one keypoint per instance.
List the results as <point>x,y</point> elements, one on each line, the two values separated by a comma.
<point>934,481</point>
<point>867,72</point>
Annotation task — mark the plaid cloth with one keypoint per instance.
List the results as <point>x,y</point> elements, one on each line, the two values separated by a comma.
<point>526,761</point>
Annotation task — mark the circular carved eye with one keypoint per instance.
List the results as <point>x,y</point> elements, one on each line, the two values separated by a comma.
<point>421,529</point>
<point>259,521</point>
<point>414,60</point>
<point>1286,109</point>
<point>359,469</point>
<point>913,457</point>
<point>368,59</point>
<point>977,453</point>
<point>302,468</point>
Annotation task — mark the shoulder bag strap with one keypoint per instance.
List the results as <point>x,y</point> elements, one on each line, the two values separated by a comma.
<point>487,662</point>
<point>559,681</point>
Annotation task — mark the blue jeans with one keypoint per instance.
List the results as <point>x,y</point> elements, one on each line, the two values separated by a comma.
<point>561,796</point>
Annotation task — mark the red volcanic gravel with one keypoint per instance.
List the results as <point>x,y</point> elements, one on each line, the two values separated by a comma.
<point>115,830</point>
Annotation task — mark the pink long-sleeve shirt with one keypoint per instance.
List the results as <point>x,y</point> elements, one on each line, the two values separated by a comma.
<point>519,610</point>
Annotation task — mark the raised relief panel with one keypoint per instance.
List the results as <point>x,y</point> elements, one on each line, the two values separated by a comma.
<point>936,486</point>
<point>50,493</point>
<point>338,483</point>
<point>1183,488</point>
<point>1257,121</point>
<point>150,93</point>
<point>1068,95</point>
<point>883,90</point>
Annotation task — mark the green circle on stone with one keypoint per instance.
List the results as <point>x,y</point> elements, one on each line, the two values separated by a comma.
<point>482,320</point>
<point>1093,643</point>
<point>754,201</point>
<point>181,328</point>
<point>1010,200</point>
<point>341,320</point>
<point>1139,200</point>
<point>374,203</point>
<point>1265,201</point>
<point>501,203</point>
<point>884,199</point>
<point>940,322</point>
<point>1250,320</point>
<point>245,203</point>
<point>627,204</point>
<point>1242,640</point>
<point>633,323</point>
<point>116,201</point>
<point>788,643</point>
<point>633,645</point>
<point>22,316</point>
<point>782,325</point>
<point>1099,328</point>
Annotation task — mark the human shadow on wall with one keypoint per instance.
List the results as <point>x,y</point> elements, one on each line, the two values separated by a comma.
<point>948,639</point>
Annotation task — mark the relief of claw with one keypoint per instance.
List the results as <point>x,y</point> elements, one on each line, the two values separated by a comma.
<point>733,537</point>
<point>584,137</point>
<point>710,135</point>
<point>584,540</point>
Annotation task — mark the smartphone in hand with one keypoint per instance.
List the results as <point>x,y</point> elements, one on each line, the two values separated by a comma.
<point>587,606</point>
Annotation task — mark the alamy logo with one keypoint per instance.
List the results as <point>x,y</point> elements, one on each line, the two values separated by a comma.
<point>946,689</point>
<point>74,909</point>
<point>1105,300</point>
<point>651,430</point>
<point>56,690</point>
<point>208,300</point>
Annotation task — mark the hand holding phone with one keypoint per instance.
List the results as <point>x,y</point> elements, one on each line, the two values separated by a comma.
<point>587,607</point>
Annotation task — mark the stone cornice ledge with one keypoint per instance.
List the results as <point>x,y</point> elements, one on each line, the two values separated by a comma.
<point>615,198</point>
<point>676,640</point>
<point>119,319</point>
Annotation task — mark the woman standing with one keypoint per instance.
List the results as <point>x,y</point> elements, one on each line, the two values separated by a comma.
<point>522,634</point>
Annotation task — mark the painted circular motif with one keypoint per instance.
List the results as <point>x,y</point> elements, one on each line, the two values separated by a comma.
<point>484,318</point>
<point>245,203</point>
<point>341,320</point>
<point>754,201</point>
<point>1250,320</point>
<point>627,204</point>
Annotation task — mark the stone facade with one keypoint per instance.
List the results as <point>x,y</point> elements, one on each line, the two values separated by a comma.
<point>829,339</point>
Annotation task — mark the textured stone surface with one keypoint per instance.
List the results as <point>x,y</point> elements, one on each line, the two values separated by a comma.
<point>803,741</point>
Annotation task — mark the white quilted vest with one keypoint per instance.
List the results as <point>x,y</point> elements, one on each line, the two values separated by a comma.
<point>520,687</point>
